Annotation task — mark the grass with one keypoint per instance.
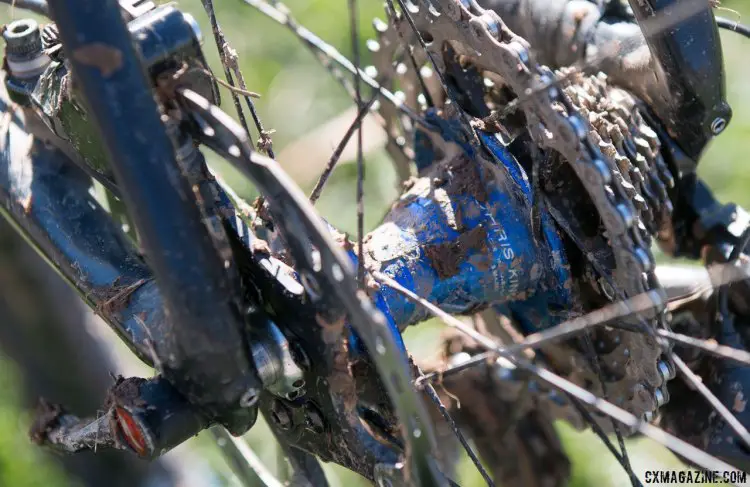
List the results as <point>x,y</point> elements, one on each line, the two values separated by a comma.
<point>297,96</point>
<point>21,464</point>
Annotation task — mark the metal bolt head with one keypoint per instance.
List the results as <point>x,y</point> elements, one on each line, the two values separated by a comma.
<point>23,39</point>
<point>659,398</point>
<point>665,370</point>
<point>661,395</point>
<point>718,125</point>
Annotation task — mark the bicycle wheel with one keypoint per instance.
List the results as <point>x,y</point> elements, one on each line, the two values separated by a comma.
<point>464,87</point>
<point>537,196</point>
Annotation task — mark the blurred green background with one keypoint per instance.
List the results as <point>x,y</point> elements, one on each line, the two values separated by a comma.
<point>309,112</point>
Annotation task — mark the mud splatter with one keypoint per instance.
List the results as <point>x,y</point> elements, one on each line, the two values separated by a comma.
<point>466,178</point>
<point>125,392</point>
<point>45,419</point>
<point>331,329</point>
<point>341,380</point>
<point>117,297</point>
<point>446,258</point>
<point>261,247</point>
<point>739,403</point>
<point>105,58</point>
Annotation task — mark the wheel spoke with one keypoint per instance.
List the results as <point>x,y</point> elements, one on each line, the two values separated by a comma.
<point>720,408</point>
<point>249,469</point>
<point>675,444</point>
<point>621,456</point>
<point>610,314</point>
<point>319,47</point>
<point>360,161</point>
<point>723,351</point>
<point>220,40</point>
<point>433,395</point>
<point>231,65</point>
<point>330,166</point>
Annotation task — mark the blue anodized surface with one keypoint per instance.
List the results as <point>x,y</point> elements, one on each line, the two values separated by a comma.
<point>527,274</point>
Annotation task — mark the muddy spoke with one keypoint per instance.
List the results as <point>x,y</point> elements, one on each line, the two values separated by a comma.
<point>360,160</point>
<point>231,65</point>
<point>243,461</point>
<point>675,444</point>
<point>432,394</point>
<point>322,48</point>
<point>722,351</point>
<point>331,165</point>
<point>720,408</point>
<point>623,458</point>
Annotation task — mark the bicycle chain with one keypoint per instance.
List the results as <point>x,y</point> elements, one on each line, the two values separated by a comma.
<point>631,149</point>
<point>600,132</point>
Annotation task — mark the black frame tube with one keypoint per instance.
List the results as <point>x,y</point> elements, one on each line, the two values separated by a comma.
<point>44,195</point>
<point>207,357</point>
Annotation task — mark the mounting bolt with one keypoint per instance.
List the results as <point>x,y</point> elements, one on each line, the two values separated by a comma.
<point>718,125</point>
<point>23,48</point>
<point>281,416</point>
<point>23,37</point>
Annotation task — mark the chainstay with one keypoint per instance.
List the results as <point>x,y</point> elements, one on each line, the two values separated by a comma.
<point>556,123</point>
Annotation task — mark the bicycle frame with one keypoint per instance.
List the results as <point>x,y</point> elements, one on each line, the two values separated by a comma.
<point>205,339</point>
<point>48,202</point>
<point>119,285</point>
<point>184,278</point>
